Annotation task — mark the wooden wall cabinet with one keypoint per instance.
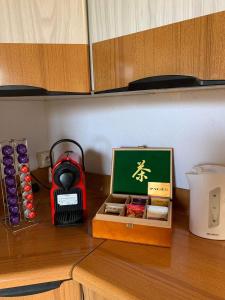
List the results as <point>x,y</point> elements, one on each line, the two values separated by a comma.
<point>45,44</point>
<point>157,44</point>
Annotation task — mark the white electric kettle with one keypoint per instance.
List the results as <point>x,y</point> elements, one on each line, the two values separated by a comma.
<point>207,201</point>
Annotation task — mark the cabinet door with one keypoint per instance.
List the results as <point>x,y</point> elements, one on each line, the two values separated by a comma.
<point>134,39</point>
<point>68,290</point>
<point>44,44</point>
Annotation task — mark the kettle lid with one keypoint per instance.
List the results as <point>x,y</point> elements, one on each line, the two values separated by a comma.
<point>208,168</point>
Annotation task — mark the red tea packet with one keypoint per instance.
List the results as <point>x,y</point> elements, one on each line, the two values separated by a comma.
<point>135,211</point>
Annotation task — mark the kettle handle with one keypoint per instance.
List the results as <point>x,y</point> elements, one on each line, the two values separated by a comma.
<point>69,141</point>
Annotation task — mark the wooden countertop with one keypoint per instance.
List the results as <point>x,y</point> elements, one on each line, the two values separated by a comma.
<point>194,268</point>
<point>44,252</point>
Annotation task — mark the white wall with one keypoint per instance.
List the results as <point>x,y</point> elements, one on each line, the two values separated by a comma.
<point>193,123</point>
<point>27,119</point>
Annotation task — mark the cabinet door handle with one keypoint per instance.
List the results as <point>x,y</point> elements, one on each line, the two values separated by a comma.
<point>164,82</point>
<point>21,90</point>
<point>170,81</point>
<point>26,90</point>
<point>30,289</point>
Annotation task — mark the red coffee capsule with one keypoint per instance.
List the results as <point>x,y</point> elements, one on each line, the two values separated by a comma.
<point>32,215</point>
<point>29,205</point>
<point>27,188</point>
<point>27,178</point>
<point>24,169</point>
<point>29,197</point>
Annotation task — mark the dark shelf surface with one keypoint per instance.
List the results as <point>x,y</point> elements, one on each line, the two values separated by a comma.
<point>24,90</point>
<point>164,82</point>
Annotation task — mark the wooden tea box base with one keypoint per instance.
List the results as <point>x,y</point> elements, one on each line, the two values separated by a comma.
<point>136,230</point>
<point>132,233</point>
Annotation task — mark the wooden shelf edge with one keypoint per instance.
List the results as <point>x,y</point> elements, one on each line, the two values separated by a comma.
<point>112,94</point>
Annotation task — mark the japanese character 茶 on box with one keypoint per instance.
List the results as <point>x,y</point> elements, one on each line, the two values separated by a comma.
<point>139,207</point>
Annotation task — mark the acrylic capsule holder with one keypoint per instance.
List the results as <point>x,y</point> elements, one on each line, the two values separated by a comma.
<point>17,195</point>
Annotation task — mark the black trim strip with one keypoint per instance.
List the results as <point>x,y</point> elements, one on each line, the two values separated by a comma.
<point>170,81</point>
<point>164,82</point>
<point>117,90</point>
<point>30,289</point>
<point>148,83</point>
<point>25,90</point>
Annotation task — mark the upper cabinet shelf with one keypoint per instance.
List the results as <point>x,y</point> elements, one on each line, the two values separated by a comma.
<point>45,44</point>
<point>192,47</point>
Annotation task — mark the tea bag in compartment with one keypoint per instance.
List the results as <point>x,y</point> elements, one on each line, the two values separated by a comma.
<point>157,212</point>
<point>136,207</point>
<point>114,208</point>
<point>122,199</point>
<point>135,211</point>
<point>115,205</point>
<point>159,201</point>
<point>139,200</point>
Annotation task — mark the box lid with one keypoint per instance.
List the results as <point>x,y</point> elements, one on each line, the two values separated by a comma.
<point>142,171</point>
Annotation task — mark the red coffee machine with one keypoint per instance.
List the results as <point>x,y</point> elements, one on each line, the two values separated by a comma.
<point>68,192</point>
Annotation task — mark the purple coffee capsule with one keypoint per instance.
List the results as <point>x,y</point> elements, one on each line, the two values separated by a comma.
<point>11,190</point>
<point>7,150</point>
<point>14,210</point>
<point>23,159</point>
<point>7,160</point>
<point>14,219</point>
<point>9,170</point>
<point>21,149</point>
<point>12,200</point>
<point>10,181</point>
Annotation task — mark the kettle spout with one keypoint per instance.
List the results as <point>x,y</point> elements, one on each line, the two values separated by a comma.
<point>191,176</point>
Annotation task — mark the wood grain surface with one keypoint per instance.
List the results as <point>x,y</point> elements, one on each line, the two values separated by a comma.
<point>53,67</point>
<point>68,290</point>
<point>193,47</point>
<point>113,18</point>
<point>135,233</point>
<point>194,268</point>
<point>92,295</point>
<point>44,252</point>
<point>38,21</point>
